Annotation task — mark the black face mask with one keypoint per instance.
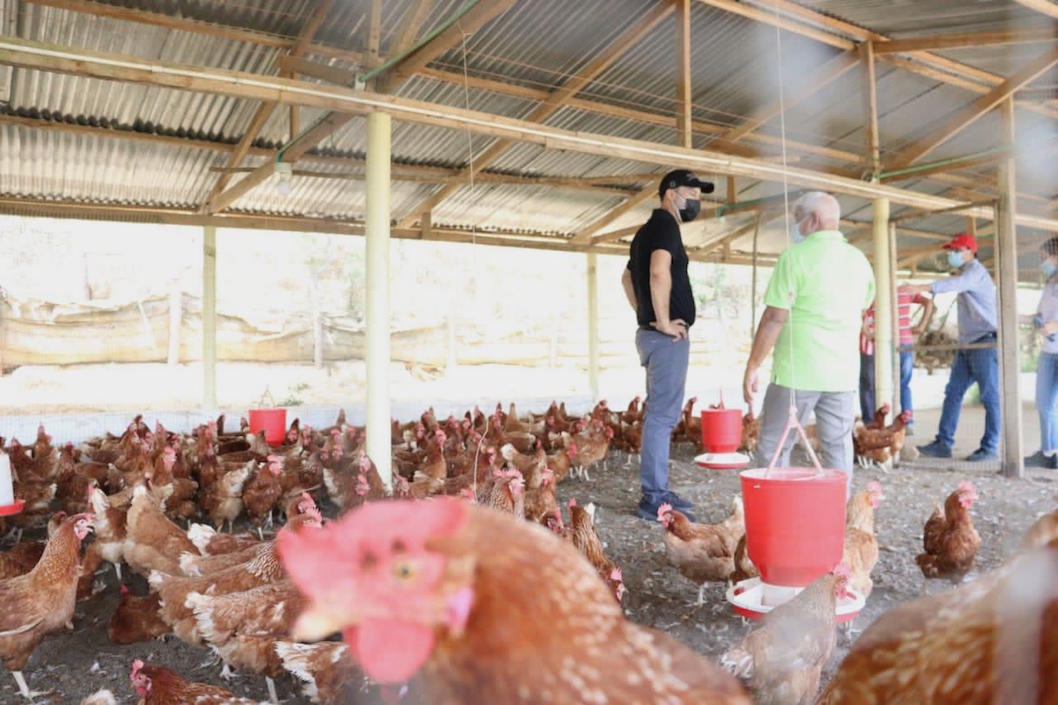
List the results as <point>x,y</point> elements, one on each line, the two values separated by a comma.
<point>691,208</point>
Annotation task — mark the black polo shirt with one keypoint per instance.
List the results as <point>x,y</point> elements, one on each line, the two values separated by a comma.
<point>661,232</point>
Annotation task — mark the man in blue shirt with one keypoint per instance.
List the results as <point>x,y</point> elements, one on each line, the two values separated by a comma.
<point>977,325</point>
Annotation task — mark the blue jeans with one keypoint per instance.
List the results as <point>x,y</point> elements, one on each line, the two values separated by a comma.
<point>982,367</point>
<point>867,407</point>
<point>665,360</point>
<point>1047,401</point>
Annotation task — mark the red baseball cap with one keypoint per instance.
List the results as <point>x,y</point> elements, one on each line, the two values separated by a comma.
<point>962,241</point>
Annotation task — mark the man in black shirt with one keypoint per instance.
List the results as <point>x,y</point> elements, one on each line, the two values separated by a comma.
<point>658,288</point>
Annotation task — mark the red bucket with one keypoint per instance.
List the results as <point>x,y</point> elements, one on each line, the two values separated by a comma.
<point>721,430</point>
<point>272,421</point>
<point>795,522</point>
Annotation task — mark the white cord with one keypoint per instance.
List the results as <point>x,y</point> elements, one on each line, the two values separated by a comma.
<point>786,206</point>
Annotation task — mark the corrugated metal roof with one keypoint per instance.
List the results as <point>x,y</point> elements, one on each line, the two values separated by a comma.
<point>538,43</point>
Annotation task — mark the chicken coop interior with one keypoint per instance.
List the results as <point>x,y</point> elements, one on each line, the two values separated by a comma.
<point>299,298</point>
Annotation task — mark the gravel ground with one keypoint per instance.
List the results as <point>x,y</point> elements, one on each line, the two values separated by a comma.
<point>76,664</point>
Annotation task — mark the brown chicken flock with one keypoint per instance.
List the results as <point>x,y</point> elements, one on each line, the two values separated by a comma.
<point>246,597</point>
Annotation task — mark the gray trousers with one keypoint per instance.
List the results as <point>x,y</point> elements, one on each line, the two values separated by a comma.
<point>835,414</point>
<point>665,360</point>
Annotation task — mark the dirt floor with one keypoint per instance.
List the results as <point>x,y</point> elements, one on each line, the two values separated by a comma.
<point>76,664</point>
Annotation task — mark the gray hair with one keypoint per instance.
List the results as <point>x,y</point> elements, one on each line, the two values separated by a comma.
<point>825,206</point>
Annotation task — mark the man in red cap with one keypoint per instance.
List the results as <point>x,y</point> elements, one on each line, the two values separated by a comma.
<point>977,325</point>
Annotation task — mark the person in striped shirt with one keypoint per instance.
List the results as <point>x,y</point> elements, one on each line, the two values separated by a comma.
<point>908,333</point>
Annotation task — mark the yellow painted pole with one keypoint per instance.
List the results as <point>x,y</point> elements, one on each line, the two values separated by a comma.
<point>209,317</point>
<point>376,257</point>
<point>883,305</point>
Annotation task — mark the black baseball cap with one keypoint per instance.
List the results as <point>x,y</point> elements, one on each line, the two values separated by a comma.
<point>683,177</point>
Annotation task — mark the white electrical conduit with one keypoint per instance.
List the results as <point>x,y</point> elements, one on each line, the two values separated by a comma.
<point>34,55</point>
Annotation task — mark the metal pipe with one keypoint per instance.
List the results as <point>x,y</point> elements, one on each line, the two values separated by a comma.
<point>942,162</point>
<point>376,264</point>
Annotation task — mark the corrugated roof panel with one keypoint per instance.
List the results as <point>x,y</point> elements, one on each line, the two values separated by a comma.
<point>897,17</point>
<point>49,164</point>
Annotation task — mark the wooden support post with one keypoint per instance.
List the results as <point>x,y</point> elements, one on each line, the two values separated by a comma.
<point>451,353</point>
<point>317,320</point>
<point>376,260</point>
<point>883,305</point>
<point>1007,273</point>
<point>593,325</point>
<point>683,73</point>
<point>175,319</point>
<point>732,190</point>
<point>209,317</point>
<point>870,109</point>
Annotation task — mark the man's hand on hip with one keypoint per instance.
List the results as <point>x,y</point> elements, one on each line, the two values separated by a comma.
<point>749,385</point>
<point>677,329</point>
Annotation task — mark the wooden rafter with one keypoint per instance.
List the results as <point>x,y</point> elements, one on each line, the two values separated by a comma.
<point>38,56</point>
<point>584,235</point>
<point>869,91</point>
<point>1044,7</point>
<point>959,40</point>
<point>407,33</point>
<point>827,73</point>
<point>265,109</point>
<point>183,24</point>
<point>684,97</point>
<point>843,35</point>
<point>966,116</point>
<point>555,100</point>
<point>475,18</point>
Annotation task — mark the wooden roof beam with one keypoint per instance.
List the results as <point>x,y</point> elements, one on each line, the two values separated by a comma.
<point>267,107</point>
<point>684,93</point>
<point>555,100</point>
<point>961,40</point>
<point>584,235</point>
<point>1044,7</point>
<point>843,35</point>
<point>966,116</point>
<point>475,18</point>
<point>184,24</point>
<point>823,76</point>
<point>109,66</point>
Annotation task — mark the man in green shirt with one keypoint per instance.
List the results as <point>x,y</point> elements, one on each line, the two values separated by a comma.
<point>814,306</point>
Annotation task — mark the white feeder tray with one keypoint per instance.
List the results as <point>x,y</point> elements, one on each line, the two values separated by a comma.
<point>722,461</point>
<point>751,599</point>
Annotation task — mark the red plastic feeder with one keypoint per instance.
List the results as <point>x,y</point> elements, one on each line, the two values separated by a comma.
<point>272,421</point>
<point>12,509</point>
<point>795,522</point>
<point>721,429</point>
<point>721,437</point>
<point>795,533</point>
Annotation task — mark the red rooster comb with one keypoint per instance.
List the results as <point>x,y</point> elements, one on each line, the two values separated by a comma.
<point>137,666</point>
<point>572,502</point>
<point>664,511</point>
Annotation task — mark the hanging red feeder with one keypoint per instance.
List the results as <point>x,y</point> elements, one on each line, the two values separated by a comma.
<point>795,532</point>
<point>8,504</point>
<point>721,437</point>
<point>270,419</point>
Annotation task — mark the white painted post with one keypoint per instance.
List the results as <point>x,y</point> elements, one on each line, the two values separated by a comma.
<point>175,317</point>
<point>883,305</point>
<point>593,325</point>
<point>209,317</point>
<point>376,230</point>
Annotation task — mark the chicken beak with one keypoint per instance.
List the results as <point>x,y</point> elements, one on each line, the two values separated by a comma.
<point>317,623</point>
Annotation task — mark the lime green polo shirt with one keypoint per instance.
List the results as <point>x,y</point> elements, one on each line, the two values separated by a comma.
<point>826,284</point>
